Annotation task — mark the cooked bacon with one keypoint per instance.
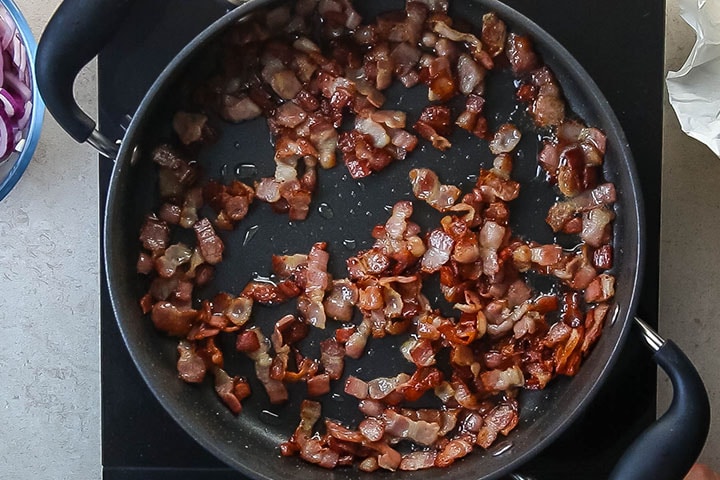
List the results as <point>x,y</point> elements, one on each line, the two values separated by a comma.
<point>501,419</point>
<point>520,52</point>
<point>311,69</point>
<point>171,320</point>
<point>310,303</point>
<point>494,34</point>
<point>505,140</point>
<point>232,390</point>
<point>379,388</point>
<point>471,76</point>
<point>318,385</point>
<point>341,299</point>
<point>596,226</point>
<point>332,358</point>
<point>426,186</point>
<point>238,108</point>
<point>190,127</point>
<point>502,380</point>
<point>231,202</point>
<point>420,432</point>
<point>355,346</point>
<point>275,389</point>
<point>440,246</point>
<point>594,320</point>
<point>471,119</point>
<point>154,234</point>
<point>210,245</point>
<point>356,387</point>
<point>561,212</point>
<point>548,107</point>
<point>145,264</point>
<point>601,289</point>
<point>434,125</point>
<point>175,174</point>
<point>190,365</point>
<point>454,450</point>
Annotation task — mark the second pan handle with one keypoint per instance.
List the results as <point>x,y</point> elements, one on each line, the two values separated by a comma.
<point>670,446</point>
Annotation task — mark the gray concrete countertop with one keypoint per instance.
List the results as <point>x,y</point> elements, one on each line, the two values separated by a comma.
<point>49,276</point>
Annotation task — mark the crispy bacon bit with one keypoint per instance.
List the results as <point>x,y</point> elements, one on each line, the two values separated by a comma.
<point>519,51</point>
<point>190,126</point>
<point>340,300</point>
<point>210,245</point>
<point>275,389</point>
<point>174,256</point>
<point>440,248</point>
<point>230,202</point>
<point>332,358</point>
<point>420,432</point>
<point>232,390</point>
<point>494,33</point>
<point>562,212</point>
<point>500,419</point>
<point>505,140</point>
<point>356,387</point>
<point>171,320</point>
<point>601,289</point>
<point>317,280</point>
<point>190,365</point>
<point>144,264</point>
<point>154,234</point>
<point>426,186</point>
<point>238,108</point>
<point>434,125</point>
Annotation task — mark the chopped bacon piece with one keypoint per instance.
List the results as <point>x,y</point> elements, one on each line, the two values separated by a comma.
<point>340,300</point>
<point>210,245</point>
<point>154,234</point>
<point>427,186</point>
<point>505,140</point>
<point>190,365</point>
<point>440,246</point>
<point>356,387</point>
<point>434,125</point>
<point>501,419</point>
<point>171,320</point>
<point>494,34</point>
<point>332,358</point>
<point>520,52</point>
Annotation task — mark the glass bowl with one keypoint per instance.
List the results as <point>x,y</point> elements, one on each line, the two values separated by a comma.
<point>12,167</point>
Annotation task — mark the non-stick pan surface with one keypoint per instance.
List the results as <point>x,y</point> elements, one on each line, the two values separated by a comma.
<point>343,213</point>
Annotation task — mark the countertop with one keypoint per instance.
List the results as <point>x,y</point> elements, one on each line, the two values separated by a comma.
<point>49,276</point>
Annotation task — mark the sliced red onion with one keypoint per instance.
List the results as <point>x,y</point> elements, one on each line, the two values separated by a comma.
<point>6,135</point>
<point>7,28</point>
<point>15,91</point>
<point>13,81</point>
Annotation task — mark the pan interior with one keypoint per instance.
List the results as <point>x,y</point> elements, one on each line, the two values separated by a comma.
<point>343,213</point>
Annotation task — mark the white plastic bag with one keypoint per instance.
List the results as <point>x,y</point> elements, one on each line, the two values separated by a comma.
<point>694,90</point>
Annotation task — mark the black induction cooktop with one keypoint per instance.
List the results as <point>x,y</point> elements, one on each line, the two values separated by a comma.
<point>620,43</point>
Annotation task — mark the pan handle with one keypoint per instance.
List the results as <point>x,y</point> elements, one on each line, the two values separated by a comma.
<point>76,33</point>
<point>670,446</point>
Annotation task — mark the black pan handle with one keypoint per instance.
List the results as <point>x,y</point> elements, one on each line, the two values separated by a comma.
<point>76,33</point>
<point>670,446</point>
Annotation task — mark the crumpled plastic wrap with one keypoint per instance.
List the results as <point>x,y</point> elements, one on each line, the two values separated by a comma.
<point>694,90</point>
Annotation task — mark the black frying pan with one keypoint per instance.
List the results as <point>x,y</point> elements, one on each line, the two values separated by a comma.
<point>249,442</point>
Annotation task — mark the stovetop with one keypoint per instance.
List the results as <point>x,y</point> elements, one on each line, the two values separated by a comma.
<point>621,46</point>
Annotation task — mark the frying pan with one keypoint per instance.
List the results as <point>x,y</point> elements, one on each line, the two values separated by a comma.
<point>349,210</point>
